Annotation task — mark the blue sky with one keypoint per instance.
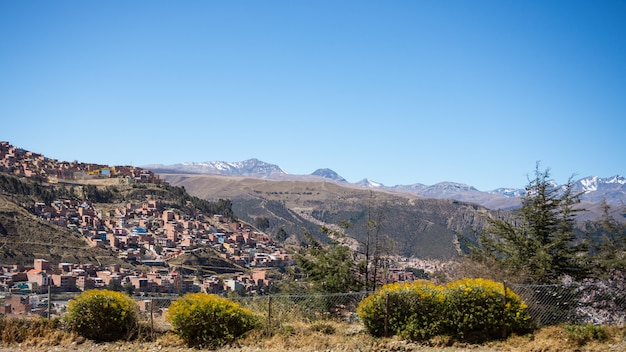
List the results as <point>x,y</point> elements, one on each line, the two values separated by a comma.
<point>399,92</point>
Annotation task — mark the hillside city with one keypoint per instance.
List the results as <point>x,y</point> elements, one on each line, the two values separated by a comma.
<point>145,233</point>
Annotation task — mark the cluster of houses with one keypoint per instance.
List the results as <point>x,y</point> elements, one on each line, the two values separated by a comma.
<point>19,283</point>
<point>68,277</point>
<point>150,234</point>
<point>23,163</point>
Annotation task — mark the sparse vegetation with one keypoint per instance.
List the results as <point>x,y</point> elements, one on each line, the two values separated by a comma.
<point>583,334</point>
<point>323,327</point>
<point>19,330</point>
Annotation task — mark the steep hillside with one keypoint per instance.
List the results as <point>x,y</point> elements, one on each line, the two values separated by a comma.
<point>24,237</point>
<point>411,225</point>
<point>205,260</point>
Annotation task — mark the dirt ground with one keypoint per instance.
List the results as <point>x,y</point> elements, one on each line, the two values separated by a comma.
<point>154,347</point>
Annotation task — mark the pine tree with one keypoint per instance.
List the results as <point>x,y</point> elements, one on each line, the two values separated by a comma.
<point>329,268</point>
<point>608,237</point>
<point>539,244</point>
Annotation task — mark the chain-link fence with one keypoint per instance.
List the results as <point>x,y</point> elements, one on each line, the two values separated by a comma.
<point>278,309</point>
<point>594,303</point>
<point>274,310</point>
<point>599,303</point>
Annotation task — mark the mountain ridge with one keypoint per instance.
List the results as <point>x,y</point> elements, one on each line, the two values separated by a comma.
<point>594,189</point>
<point>250,167</point>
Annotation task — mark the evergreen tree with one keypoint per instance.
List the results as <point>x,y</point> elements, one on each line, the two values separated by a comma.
<point>262,223</point>
<point>539,245</point>
<point>330,269</point>
<point>608,238</point>
<point>281,235</point>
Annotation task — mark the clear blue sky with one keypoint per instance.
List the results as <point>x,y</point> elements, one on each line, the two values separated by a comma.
<point>400,92</point>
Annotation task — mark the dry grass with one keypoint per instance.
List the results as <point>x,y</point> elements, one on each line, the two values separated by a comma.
<point>35,332</point>
<point>301,336</point>
<point>39,334</point>
<point>351,337</point>
<point>555,338</point>
<point>169,339</point>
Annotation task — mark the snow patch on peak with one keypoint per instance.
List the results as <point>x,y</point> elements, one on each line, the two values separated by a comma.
<point>590,184</point>
<point>250,167</point>
<point>453,186</point>
<point>369,183</point>
<point>509,192</point>
<point>617,179</point>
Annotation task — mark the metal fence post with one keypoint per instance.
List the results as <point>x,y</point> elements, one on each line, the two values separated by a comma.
<point>504,330</point>
<point>386,313</point>
<point>49,302</point>
<point>152,317</point>
<point>269,314</point>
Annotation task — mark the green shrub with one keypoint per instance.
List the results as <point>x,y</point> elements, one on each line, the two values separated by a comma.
<point>206,320</point>
<point>468,308</point>
<point>582,334</point>
<point>102,315</point>
<point>287,330</point>
<point>323,328</point>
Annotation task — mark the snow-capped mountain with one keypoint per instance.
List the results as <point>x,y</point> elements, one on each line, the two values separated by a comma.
<point>594,183</point>
<point>594,189</point>
<point>415,188</point>
<point>461,192</point>
<point>250,168</point>
<point>369,184</point>
<point>447,188</point>
<point>509,192</point>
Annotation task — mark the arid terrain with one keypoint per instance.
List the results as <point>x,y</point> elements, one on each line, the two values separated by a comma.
<point>346,337</point>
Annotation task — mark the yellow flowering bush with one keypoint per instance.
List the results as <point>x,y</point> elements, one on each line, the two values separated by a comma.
<point>476,309</point>
<point>102,315</point>
<point>414,310</point>
<point>208,320</point>
<point>467,308</point>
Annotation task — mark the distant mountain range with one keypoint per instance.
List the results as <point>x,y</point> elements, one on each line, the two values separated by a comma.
<point>250,168</point>
<point>595,189</point>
